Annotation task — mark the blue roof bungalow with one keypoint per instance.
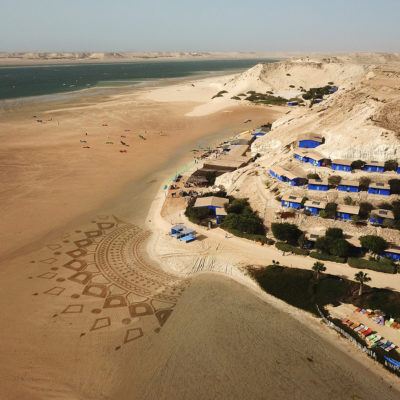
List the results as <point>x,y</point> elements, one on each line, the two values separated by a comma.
<point>349,186</point>
<point>310,156</point>
<point>374,166</point>
<point>382,189</point>
<point>318,184</point>
<point>310,140</point>
<point>344,213</point>
<point>291,201</point>
<point>286,176</point>
<point>392,252</point>
<point>314,206</point>
<point>216,204</point>
<point>341,165</point>
<point>292,103</point>
<point>398,169</point>
<point>378,216</point>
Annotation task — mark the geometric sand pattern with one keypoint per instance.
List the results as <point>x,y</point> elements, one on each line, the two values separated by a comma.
<point>107,263</point>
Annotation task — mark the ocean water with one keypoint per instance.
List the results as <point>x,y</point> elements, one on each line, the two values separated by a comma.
<point>27,81</point>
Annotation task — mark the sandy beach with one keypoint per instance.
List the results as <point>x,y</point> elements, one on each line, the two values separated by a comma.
<point>63,182</point>
<point>99,303</point>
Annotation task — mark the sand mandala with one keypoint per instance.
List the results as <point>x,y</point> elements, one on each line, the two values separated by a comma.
<point>107,263</point>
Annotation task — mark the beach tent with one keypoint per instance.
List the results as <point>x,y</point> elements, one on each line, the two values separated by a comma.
<point>187,235</point>
<point>176,230</point>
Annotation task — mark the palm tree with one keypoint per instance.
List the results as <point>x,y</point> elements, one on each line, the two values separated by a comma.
<point>362,278</point>
<point>318,267</point>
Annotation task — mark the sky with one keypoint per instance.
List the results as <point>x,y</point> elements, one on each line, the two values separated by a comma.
<point>201,25</point>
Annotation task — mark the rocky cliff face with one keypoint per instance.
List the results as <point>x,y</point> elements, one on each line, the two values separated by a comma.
<point>360,121</point>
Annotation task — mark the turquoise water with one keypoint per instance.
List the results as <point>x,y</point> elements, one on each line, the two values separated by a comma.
<point>29,81</point>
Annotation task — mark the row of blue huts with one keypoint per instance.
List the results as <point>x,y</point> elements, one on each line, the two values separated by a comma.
<point>293,179</point>
<point>343,212</point>
<point>318,160</point>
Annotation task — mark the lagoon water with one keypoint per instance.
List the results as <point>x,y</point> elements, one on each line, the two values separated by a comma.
<point>29,81</point>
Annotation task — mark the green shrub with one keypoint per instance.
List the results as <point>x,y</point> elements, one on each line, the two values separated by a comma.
<point>365,209</point>
<point>323,214</point>
<point>323,244</point>
<point>330,210</point>
<point>237,206</point>
<point>349,201</point>
<point>265,98</point>
<point>385,206</point>
<point>384,265</point>
<point>317,93</point>
<point>313,175</point>
<point>242,218</point>
<point>250,236</point>
<point>390,165</point>
<point>340,248</point>
<point>334,179</point>
<point>394,186</point>
<point>236,98</point>
<point>197,215</point>
<point>286,232</point>
<point>327,257</point>
<point>287,247</point>
<point>219,94</point>
<point>373,243</point>
<point>358,164</point>
<point>364,183</point>
<point>249,223</point>
<point>334,233</point>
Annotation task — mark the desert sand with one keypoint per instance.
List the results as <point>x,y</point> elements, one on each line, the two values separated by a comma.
<point>99,303</point>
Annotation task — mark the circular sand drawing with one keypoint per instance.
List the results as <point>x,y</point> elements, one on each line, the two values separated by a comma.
<point>108,263</point>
